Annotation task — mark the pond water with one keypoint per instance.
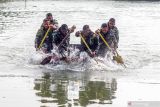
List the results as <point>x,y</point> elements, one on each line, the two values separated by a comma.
<point>23,84</point>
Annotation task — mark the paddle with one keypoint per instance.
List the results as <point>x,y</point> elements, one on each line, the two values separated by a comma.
<point>86,45</point>
<point>44,38</point>
<point>70,31</point>
<point>48,58</point>
<point>117,58</point>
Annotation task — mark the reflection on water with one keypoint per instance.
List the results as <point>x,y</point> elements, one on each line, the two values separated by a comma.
<point>68,89</point>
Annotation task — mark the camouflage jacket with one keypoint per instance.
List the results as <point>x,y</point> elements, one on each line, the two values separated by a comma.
<point>92,41</point>
<point>114,34</point>
<point>58,37</point>
<point>39,36</point>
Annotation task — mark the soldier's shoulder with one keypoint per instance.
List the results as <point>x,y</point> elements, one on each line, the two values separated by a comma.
<point>115,28</point>
<point>91,33</point>
<point>55,21</point>
<point>40,31</point>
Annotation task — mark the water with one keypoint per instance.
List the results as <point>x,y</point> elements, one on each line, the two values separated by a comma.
<point>25,84</point>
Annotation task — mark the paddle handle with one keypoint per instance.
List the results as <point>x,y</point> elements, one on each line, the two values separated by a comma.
<point>106,43</point>
<point>70,31</point>
<point>63,40</point>
<point>104,40</point>
<point>85,43</point>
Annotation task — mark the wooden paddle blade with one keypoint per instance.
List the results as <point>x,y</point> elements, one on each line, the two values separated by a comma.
<point>118,59</point>
<point>46,60</point>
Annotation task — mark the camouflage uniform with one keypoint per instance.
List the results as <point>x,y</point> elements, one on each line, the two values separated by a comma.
<point>92,41</point>
<point>57,39</point>
<point>48,40</point>
<point>102,48</point>
<point>112,38</point>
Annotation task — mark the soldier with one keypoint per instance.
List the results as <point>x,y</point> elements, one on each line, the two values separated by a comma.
<point>61,38</point>
<point>47,44</point>
<point>91,40</point>
<point>110,34</point>
<point>102,49</point>
<point>113,33</point>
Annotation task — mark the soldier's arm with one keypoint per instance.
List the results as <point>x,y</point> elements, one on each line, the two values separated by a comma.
<point>96,44</point>
<point>117,35</point>
<point>38,36</point>
<point>71,30</point>
<point>97,31</point>
<point>55,24</point>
